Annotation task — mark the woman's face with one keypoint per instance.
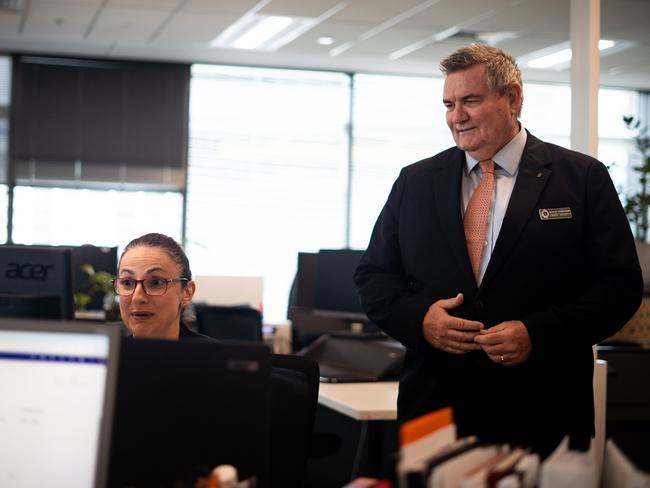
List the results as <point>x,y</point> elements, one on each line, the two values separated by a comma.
<point>154,317</point>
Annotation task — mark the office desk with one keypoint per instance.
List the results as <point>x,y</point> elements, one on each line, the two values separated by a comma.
<point>363,416</point>
<point>361,401</point>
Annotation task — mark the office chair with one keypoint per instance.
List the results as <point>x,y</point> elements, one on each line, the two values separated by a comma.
<point>294,396</point>
<point>229,322</point>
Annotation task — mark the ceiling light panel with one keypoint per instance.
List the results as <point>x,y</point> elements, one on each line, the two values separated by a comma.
<point>558,56</point>
<point>262,32</point>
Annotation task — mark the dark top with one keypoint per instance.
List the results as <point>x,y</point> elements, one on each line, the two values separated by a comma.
<point>186,333</point>
<point>572,281</point>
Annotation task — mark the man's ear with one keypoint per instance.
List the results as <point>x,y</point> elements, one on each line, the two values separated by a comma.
<point>514,94</point>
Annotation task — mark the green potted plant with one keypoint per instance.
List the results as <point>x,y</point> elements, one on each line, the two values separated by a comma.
<point>102,283</point>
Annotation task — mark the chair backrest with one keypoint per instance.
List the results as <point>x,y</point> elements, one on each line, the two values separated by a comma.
<point>240,323</point>
<point>294,397</point>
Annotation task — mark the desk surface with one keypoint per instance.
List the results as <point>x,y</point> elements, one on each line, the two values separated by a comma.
<point>361,401</point>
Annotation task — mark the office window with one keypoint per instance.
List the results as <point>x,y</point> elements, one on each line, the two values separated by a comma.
<point>546,112</point>
<point>400,120</point>
<point>616,146</point>
<point>267,173</point>
<point>62,216</point>
<point>397,121</point>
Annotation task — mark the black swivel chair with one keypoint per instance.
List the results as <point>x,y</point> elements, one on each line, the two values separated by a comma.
<point>239,323</point>
<point>294,396</point>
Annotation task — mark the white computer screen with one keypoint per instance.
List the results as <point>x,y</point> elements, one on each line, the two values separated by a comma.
<point>52,399</point>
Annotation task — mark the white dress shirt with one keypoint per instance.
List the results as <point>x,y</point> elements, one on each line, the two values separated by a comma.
<point>506,167</point>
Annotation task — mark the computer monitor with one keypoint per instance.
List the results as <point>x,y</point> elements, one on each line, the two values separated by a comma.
<point>57,385</point>
<point>31,274</point>
<point>183,408</point>
<point>303,288</point>
<point>335,289</point>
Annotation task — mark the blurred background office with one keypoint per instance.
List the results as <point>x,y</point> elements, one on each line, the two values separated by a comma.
<point>279,144</point>
<point>262,134</point>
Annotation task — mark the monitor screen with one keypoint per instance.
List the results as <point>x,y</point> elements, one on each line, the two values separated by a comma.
<point>183,408</point>
<point>335,288</point>
<point>31,280</point>
<point>57,383</point>
<point>303,288</point>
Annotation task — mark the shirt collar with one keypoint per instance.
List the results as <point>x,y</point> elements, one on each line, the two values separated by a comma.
<point>508,156</point>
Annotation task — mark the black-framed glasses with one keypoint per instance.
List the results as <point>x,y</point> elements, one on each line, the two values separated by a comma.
<point>151,286</point>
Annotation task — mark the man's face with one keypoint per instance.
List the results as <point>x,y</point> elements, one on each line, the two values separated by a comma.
<point>481,121</point>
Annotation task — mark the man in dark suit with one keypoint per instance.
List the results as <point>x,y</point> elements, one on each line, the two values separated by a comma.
<point>500,324</point>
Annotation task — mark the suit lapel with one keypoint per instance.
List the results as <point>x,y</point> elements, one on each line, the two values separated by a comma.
<point>531,180</point>
<point>447,189</point>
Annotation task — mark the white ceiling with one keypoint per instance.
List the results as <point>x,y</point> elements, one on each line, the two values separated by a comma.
<point>181,30</point>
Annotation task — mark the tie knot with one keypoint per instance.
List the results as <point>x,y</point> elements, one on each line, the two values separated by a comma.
<point>487,166</point>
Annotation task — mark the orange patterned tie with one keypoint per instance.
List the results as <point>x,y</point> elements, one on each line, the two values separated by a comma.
<point>476,216</point>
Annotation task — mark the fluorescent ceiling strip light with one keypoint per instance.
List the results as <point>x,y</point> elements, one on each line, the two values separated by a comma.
<point>268,32</point>
<point>387,24</point>
<point>437,37</point>
<point>559,56</point>
<point>329,13</point>
<point>335,51</point>
<point>397,19</point>
<point>552,59</point>
<point>496,38</point>
<point>605,44</point>
<point>303,24</point>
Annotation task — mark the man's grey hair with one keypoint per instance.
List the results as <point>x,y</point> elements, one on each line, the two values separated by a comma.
<point>501,67</point>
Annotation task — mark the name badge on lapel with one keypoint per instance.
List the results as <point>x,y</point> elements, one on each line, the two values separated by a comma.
<point>560,213</point>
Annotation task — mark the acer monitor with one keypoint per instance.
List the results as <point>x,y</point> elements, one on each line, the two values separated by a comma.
<point>35,282</point>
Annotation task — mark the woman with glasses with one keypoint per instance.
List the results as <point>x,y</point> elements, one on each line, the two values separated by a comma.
<point>155,284</point>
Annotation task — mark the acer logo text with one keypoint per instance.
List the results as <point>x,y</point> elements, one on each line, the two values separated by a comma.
<point>27,271</point>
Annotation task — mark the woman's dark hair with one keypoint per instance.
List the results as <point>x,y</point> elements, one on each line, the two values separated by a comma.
<point>166,243</point>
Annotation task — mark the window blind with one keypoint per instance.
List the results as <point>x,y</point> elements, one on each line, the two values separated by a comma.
<point>78,121</point>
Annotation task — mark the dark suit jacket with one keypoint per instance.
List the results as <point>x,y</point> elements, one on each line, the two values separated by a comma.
<point>573,282</point>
